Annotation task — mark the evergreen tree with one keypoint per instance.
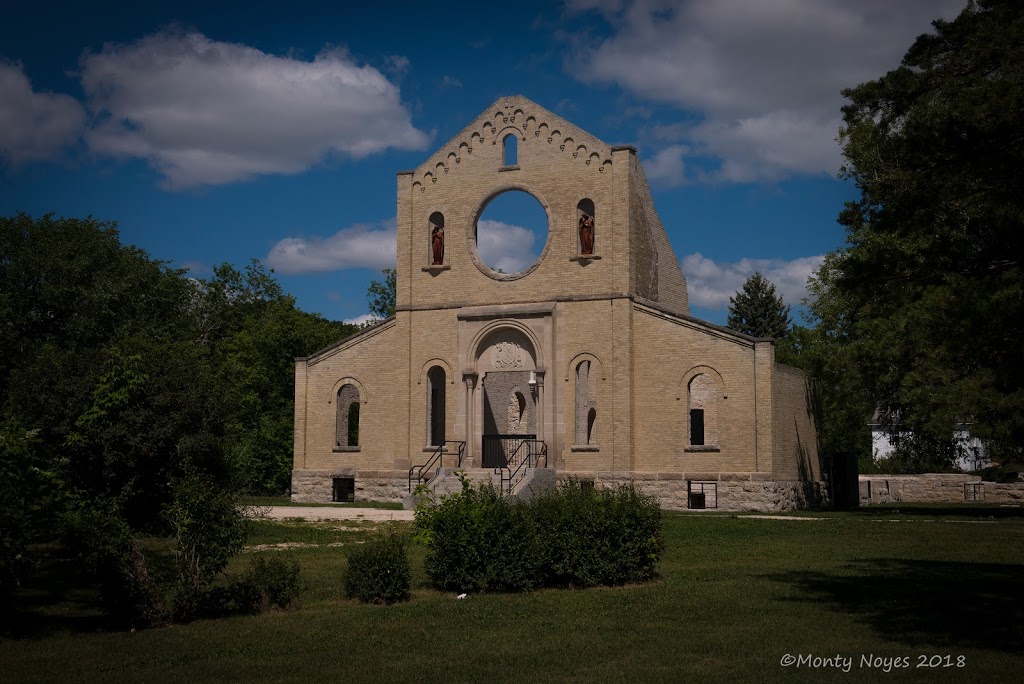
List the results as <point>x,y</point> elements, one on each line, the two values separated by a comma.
<point>756,309</point>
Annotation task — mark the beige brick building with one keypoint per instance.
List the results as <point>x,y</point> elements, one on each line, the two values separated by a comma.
<point>590,354</point>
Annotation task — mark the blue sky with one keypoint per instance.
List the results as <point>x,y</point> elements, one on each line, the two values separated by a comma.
<point>228,131</point>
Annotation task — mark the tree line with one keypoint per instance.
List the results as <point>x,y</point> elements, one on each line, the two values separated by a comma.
<point>131,388</point>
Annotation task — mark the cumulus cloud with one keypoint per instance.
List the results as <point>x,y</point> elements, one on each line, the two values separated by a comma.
<point>204,112</point>
<point>34,126</point>
<point>666,168</point>
<point>359,246</point>
<point>764,77</point>
<point>710,283</point>
<point>504,246</point>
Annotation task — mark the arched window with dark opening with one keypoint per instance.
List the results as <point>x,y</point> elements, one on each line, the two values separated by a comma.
<point>347,428</point>
<point>702,406</point>
<point>436,405</point>
<point>510,150</point>
<point>586,223</point>
<point>586,406</point>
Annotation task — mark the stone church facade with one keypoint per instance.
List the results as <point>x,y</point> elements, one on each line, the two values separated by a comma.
<point>590,353</point>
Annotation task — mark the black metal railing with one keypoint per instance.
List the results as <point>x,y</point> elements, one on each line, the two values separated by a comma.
<point>528,454</point>
<point>497,449</point>
<point>430,469</point>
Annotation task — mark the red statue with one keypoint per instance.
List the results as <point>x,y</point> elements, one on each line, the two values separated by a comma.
<point>586,234</point>
<point>437,245</point>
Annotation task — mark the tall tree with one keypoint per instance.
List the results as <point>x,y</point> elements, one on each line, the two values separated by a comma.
<point>381,295</point>
<point>929,293</point>
<point>756,309</point>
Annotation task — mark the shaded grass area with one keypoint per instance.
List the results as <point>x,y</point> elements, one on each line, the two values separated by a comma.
<point>734,596</point>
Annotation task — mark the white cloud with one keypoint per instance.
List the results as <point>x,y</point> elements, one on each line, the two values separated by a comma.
<point>204,112</point>
<point>666,168</point>
<point>711,283</point>
<point>450,82</point>
<point>765,76</point>
<point>34,126</point>
<point>359,246</point>
<point>361,320</point>
<point>505,246</point>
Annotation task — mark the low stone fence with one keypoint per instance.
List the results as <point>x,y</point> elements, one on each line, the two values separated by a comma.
<point>938,489</point>
<point>717,491</point>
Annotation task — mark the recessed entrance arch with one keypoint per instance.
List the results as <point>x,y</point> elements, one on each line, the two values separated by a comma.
<point>505,391</point>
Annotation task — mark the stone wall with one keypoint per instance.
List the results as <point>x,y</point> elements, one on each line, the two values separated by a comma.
<point>723,491</point>
<point>315,486</point>
<point>935,488</point>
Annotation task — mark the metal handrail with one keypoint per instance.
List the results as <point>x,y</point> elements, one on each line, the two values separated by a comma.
<point>509,475</point>
<point>436,456</point>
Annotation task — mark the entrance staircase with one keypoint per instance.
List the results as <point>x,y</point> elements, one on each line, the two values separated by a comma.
<point>523,475</point>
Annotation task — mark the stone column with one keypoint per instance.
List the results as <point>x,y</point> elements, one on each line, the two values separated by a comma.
<point>470,379</point>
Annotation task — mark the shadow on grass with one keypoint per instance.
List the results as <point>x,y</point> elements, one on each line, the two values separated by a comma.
<point>55,598</point>
<point>937,603</point>
<point>962,510</point>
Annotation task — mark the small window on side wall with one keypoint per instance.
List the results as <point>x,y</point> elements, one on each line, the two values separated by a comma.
<point>343,490</point>
<point>702,412</point>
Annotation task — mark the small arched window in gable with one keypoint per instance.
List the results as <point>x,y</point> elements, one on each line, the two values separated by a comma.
<point>510,150</point>
<point>347,420</point>
<point>702,408</point>
<point>586,406</point>
<point>585,227</point>
<point>436,405</point>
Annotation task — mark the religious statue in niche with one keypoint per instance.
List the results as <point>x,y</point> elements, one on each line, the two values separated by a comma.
<point>437,245</point>
<point>586,234</point>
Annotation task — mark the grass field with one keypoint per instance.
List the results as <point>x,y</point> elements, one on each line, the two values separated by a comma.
<point>735,596</point>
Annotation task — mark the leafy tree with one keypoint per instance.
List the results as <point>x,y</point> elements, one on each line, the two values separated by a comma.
<point>122,382</point>
<point>928,296</point>
<point>381,295</point>
<point>756,309</point>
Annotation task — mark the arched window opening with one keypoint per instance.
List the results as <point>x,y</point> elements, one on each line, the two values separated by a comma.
<point>436,405</point>
<point>586,406</point>
<point>510,150</point>
<point>518,419</point>
<point>702,406</point>
<point>585,227</point>
<point>435,226</point>
<point>347,428</point>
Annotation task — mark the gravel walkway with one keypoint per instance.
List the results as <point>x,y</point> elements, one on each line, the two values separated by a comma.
<point>329,513</point>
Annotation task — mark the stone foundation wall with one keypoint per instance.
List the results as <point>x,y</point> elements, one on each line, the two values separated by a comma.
<point>723,491</point>
<point>316,486</point>
<point>938,489</point>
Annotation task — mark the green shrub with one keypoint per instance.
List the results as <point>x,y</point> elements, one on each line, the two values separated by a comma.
<point>270,582</point>
<point>479,540</point>
<point>378,571</point>
<point>209,530</point>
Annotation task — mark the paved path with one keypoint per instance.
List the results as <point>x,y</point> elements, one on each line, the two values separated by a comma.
<point>330,513</point>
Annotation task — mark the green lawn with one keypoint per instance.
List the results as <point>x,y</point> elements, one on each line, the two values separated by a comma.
<point>735,596</point>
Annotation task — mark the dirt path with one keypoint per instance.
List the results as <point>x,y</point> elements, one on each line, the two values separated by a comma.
<point>329,513</point>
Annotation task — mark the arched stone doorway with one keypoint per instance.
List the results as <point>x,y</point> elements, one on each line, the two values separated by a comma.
<point>508,395</point>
